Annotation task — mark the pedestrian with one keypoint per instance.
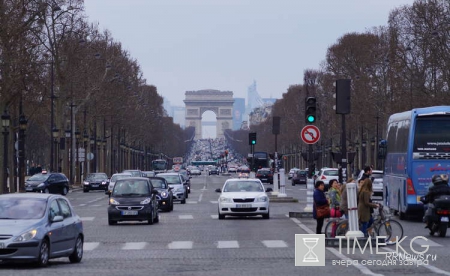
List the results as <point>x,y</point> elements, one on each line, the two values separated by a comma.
<point>344,200</point>
<point>334,198</point>
<point>364,205</point>
<point>367,172</point>
<point>319,200</point>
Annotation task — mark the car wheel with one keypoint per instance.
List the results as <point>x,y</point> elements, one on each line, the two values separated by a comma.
<point>401,215</point>
<point>187,196</point>
<point>189,191</point>
<point>44,251</point>
<point>183,201</point>
<point>77,253</point>
<point>64,191</point>
<point>221,216</point>
<point>150,219</point>
<point>112,222</point>
<point>156,220</point>
<point>266,216</point>
<point>85,190</point>
<point>293,184</point>
<point>171,206</point>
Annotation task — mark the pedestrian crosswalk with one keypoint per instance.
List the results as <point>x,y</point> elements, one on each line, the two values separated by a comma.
<point>230,244</point>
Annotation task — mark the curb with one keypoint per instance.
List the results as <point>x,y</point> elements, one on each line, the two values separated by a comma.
<point>300,214</point>
<point>282,199</point>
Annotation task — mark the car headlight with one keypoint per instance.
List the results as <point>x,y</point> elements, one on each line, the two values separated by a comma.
<point>86,183</point>
<point>41,185</point>
<point>164,194</point>
<point>262,199</point>
<point>225,199</point>
<point>26,236</point>
<point>104,182</point>
<point>112,201</point>
<point>146,201</point>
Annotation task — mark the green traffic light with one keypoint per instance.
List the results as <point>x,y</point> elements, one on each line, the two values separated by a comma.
<point>253,142</point>
<point>311,119</point>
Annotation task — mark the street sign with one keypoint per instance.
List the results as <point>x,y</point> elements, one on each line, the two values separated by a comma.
<point>310,134</point>
<point>81,154</point>
<point>90,156</point>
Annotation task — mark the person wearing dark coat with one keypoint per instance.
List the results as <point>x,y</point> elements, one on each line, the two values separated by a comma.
<point>319,200</point>
<point>440,187</point>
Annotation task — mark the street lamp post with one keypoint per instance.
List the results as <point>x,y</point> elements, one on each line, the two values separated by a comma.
<point>22,127</point>
<point>55,136</point>
<point>5,123</point>
<point>69,154</point>
<point>77,156</point>
<point>363,144</point>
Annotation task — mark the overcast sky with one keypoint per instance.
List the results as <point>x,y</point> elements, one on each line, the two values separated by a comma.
<point>184,45</point>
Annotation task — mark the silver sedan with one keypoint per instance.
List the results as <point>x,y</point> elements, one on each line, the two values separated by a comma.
<point>38,227</point>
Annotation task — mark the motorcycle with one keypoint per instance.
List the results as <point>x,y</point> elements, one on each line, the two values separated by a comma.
<point>438,218</point>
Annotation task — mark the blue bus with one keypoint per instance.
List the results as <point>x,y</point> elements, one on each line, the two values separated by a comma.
<point>418,146</point>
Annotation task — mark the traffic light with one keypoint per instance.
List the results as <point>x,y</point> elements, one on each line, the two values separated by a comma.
<point>311,170</point>
<point>310,110</point>
<point>252,138</point>
<point>343,96</point>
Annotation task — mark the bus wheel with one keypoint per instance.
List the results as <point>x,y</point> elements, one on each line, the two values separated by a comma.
<point>401,215</point>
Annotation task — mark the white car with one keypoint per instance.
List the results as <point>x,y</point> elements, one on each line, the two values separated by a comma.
<point>232,169</point>
<point>327,174</point>
<point>377,181</point>
<point>243,197</point>
<point>113,180</point>
<point>292,172</point>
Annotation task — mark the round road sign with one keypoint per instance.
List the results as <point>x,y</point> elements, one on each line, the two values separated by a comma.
<point>310,134</point>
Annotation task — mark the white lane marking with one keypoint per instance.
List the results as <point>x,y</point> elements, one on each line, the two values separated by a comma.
<point>427,266</point>
<point>227,244</point>
<point>134,245</point>
<point>428,242</point>
<point>200,197</point>
<point>180,245</point>
<point>275,243</point>
<point>82,205</point>
<point>88,246</point>
<point>360,267</point>
<point>185,217</point>
<point>87,218</point>
<point>214,202</point>
<point>97,205</point>
<point>191,202</point>
<point>215,216</point>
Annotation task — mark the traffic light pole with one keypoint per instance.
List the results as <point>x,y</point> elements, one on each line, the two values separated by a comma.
<point>343,169</point>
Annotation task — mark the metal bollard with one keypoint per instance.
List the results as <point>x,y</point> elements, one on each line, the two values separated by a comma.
<point>275,184</point>
<point>282,184</point>
<point>353,230</point>
<point>309,195</point>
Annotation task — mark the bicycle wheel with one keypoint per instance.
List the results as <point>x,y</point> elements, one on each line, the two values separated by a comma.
<point>392,229</point>
<point>328,228</point>
<point>342,228</point>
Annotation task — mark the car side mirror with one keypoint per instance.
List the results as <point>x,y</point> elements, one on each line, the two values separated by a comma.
<point>154,192</point>
<point>218,190</point>
<point>57,219</point>
<point>269,190</point>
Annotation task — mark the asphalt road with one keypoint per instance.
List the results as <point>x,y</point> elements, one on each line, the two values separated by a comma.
<point>192,241</point>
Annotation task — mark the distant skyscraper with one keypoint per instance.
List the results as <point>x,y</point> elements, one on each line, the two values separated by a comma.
<point>238,112</point>
<point>254,100</point>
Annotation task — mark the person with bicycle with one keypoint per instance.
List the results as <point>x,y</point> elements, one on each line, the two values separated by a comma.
<point>364,205</point>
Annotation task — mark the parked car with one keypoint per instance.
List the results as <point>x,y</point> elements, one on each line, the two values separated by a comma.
<point>95,181</point>
<point>265,175</point>
<point>300,177</point>
<point>133,199</point>
<point>134,173</point>
<point>327,174</point>
<point>54,183</point>
<point>291,172</point>
<point>214,170</point>
<point>377,181</point>
<point>175,181</point>
<point>39,227</point>
<point>165,195</point>
<point>113,180</point>
<point>243,197</point>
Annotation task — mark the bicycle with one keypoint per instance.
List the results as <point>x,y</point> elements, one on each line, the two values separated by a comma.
<point>382,225</point>
<point>332,223</point>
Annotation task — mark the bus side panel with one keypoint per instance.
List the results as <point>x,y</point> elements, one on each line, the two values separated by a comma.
<point>395,181</point>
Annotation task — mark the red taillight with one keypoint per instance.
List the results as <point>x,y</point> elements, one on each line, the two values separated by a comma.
<point>410,187</point>
<point>270,175</point>
<point>258,175</point>
<point>323,177</point>
<point>443,212</point>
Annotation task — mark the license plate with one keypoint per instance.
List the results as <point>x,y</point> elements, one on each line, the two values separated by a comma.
<point>129,213</point>
<point>29,188</point>
<point>95,186</point>
<point>243,205</point>
<point>444,219</point>
<point>2,245</point>
<point>263,179</point>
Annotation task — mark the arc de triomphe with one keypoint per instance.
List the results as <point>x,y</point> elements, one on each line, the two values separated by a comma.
<point>219,102</point>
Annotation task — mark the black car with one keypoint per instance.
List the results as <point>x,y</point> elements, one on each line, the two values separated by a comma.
<point>265,175</point>
<point>165,195</point>
<point>214,170</point>
<point>54,183</point>
<point>96,181</point>
<point>299,177</point>
<point>133,199</point>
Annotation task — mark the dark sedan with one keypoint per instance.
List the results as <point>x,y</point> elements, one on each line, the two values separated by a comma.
<point>265,175</point>
<point>96,181</point>
<point>165,196</point>
<point>299,177</point>
<point>214,170</point>
<point>53,183</point>
<point>39,227</point>
<point>133,199</point>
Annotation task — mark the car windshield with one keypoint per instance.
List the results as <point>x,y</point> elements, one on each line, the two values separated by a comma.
<point>22,208</point>
<point>377,175</point>
<point>39,177</point>
<point>301,173</point>
<point>131,188</point>
<point>158,183</point>
<point>243,186</point>
<point>172,179</point>
<point>114,178</point>
<point>331,172</point>
<point>97,176</point>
